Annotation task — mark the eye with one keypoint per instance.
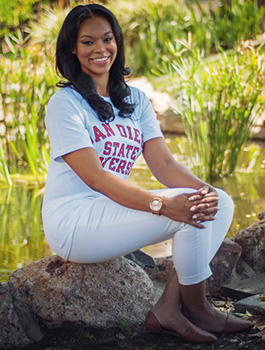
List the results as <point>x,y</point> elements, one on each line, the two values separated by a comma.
<point>88,42</point>
<point>108,39</point>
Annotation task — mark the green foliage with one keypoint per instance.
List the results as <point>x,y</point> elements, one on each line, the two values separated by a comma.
<point>4,172</point>
<point>46,29</point>
<point>147,25</point>
<point>14,12</point>
<point>218,101</point>
<point>224,25</point>
<point>27,82</point>
<point>150,26</point>
<point>123,324</point>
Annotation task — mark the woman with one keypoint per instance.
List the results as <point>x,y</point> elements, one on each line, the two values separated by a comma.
<point>98,126</point>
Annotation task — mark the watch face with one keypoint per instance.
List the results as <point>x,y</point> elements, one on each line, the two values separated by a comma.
<point>156,204</point>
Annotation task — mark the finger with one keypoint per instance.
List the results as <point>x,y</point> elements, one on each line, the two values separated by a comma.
<point>202,217</point>
<point>196,223</point>
<point>205,189</point>
<point>195,197</point>
<point>205,208</point>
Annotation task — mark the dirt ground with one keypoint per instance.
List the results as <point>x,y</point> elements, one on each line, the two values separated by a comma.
<point>137,338</point>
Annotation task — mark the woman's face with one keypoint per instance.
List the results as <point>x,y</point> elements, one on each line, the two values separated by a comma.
<point>96,47</point>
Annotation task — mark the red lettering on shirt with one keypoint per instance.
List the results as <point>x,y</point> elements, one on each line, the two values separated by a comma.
<point>129,148</point>
<point>112,165</point>
<point>128,168</point>
<point>135,150</point>
<point>137,134</point>
<point>107,150</point>
<point>108,129</point>
<point>115,145</point>
<point>130,132</point>
<point>98,134</point>
<point>122,130</point>
<point>121,151</point>
<point>121,166</point>
<point>103,162</point>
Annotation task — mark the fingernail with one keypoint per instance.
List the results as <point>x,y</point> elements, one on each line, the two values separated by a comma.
<point>194,217</point>
<point>192,208</point>
<point>191,199</point>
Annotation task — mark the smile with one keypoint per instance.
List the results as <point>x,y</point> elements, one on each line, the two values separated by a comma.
<point>103,59</point>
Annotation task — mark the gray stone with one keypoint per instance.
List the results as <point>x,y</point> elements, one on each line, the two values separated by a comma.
<point>171,121</point>
<point>28,321</point>
<point>140,258</point>
<point>251,304</point>
<point>223,264</point>
<point>60,292</point>
<point>11,333</point>
<point>252,241</point>
<point>247,287</point>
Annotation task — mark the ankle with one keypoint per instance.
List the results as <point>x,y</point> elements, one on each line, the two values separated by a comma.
<point>197,308</point>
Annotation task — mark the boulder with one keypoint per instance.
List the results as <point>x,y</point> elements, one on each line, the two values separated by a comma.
<point>161,101</point>
<point>11,332</point>
<point>171,121</point>
<point>62,293</point>
<point>223,264</point>
<point>252,241</point>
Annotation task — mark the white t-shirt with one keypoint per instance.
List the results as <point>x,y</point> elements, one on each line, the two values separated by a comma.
<point>72,124</point>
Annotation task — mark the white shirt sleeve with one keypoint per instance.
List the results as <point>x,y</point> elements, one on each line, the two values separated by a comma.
<point>66,126</point>
<point>148,118</point>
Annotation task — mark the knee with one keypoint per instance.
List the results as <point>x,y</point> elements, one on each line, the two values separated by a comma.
<point>225,200</point>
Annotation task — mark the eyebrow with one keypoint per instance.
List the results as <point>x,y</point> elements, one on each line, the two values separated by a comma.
<point>89,36</point>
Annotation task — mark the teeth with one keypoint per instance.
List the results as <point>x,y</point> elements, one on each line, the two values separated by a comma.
<point>101,59</point>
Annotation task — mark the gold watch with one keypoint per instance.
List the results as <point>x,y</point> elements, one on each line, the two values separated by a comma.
<point>156,205</point>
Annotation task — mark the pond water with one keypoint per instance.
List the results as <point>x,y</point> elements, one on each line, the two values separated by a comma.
<point>21,236</point>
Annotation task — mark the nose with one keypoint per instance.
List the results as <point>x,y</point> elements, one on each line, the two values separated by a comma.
<point>99,46</point>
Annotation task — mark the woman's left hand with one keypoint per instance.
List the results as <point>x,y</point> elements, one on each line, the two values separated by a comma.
<point>205,204</point>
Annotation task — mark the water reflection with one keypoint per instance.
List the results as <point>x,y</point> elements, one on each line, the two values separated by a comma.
<point>22,240</point>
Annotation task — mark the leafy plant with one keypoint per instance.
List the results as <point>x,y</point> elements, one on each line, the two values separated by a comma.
<point>123,324</point>
<point>27,82</point>
<point>4,172</point>
<point>218,101</point>
<point>224,24</point>
<point>45,30</point>
<point>147,26</point>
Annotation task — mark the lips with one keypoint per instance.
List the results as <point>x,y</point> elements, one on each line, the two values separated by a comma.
<point>100,60</point>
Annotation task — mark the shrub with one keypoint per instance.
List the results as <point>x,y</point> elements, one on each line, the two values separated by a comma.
<point>218,100</point>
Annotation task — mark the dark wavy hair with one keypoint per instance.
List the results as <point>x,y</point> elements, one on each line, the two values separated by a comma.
<point>67,64</point>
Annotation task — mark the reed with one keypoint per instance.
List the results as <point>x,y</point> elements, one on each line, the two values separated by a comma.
<point>219,101</point>
<point>28,81</point>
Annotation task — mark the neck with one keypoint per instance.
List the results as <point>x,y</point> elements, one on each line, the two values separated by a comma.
<point>102,86</point>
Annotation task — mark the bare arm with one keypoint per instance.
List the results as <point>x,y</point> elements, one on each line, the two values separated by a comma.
<point>166,169</point>
<point>86,163</point>
<point>172,174</point>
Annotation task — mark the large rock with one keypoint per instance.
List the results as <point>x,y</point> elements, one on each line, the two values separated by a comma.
<point>60,292</point>
<point>223,263</point>
<point>161,101</point>
<point>222,266</point>
<point>11,332</point>
<point>252,241</point>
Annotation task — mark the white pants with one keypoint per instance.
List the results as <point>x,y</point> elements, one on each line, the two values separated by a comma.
<point>111,230</point>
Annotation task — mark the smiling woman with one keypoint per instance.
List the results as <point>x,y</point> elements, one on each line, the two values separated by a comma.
<point>98,127</point>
